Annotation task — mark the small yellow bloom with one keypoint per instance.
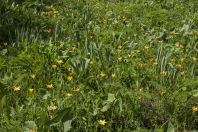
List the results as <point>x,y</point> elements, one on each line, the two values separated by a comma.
<point>69,78</point>
<point>119,58</point>
<point>179,66</point>
<point>102,74</point>
<point>120,47</point>
<point>91,62</point>
<point>102,122</point>
<point>30,90</point>
<point>141,89</point>
<point>194,58</point>
<point>50,86</point>
<point>68,94</point>
<point>138,51</point>
<point>155,63</point>
<point>129,55</point>
<point>162,93</point>
<point>181,46</point>
<point>182,59</point>
<point>69,68</point>
<point>54,66</point>
<point>59,62</point>
<point>164,73</point>
<point>17,88</point>
<point>77,90</point>
<point>33,76</point>
<point>53,108</point>
<point>194,109</point>
<point>113,75</point>
<point>182,73</point>
<point>146,46</point>
<point>141,65</point>
<point>33,130</point>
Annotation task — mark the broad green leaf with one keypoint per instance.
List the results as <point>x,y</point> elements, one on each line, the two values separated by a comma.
<point>170,127</point>
<point>185,28</point>
<point>67,125</point>
<point>190,82</point>
<point>194,93</point>
<point>145,94</point>
<point>106,107</point>
<point>120,105</point>
<point>4,52</point>
<point>29,126</point>
<point>111,97</point>
<point>4,107</point>
<point>107,103</point>
<point>62,115</point>
<point>181,96</point>
<point>86,63</point>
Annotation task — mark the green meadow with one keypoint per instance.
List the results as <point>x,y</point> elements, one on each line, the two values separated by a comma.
<point>98,65</point>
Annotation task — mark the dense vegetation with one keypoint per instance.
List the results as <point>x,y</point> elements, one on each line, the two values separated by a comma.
<point>91,65</point>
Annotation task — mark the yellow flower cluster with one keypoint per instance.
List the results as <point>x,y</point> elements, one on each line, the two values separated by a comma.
<point>182,73</point>
<point>164,73</point>
<point>68,94</point>
<point>69,78</point>
<point>52,12</point>
<point>102,122</point>
<point>194,109</point>
<point>119,46</point>
<point>53,108</point>
<point>69,68</point>
<point>33,76</point>
<point>50,86</point>
<point>162,93</point>
<point>54,66</point>
<point>119,59</point>
<point>60,62</point>
<point>17,88</point>
<point>113,75</point>
<point>194,59</point>
<point>178,65</point>
<point>146,46</point>
<point>30,90</point>
<point>77,90</point>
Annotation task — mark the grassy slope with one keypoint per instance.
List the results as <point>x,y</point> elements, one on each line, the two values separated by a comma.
<point>132,64</point>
